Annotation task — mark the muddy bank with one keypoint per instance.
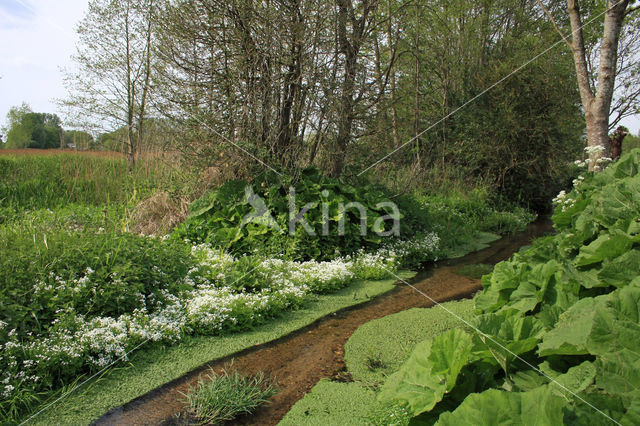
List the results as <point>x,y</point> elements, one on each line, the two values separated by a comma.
<point>301,359</point>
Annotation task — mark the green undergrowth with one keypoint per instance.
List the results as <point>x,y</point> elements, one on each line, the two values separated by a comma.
<point>567,308</point>
<point>375,350</point>
<point>332,403</point>
<point>336,217</point>
<point>155,366</point>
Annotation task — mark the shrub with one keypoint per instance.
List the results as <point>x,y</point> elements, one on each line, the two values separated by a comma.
<point>217,218</point>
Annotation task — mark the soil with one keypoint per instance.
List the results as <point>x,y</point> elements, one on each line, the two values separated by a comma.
<point>298,361</point>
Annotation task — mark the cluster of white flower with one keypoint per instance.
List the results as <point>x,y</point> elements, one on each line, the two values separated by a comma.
<point>600,162</point>
<point>563,201</point>
<point>209,305</point>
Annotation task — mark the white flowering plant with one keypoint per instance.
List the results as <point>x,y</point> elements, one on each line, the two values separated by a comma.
<point>82,309</point>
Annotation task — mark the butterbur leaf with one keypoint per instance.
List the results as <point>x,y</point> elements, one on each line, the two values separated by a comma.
<point>570,335</point>
<point>493,407</point>
<point>619,372</point>
<point>620,271</point>
<point>431,371</point>
<point>449,354</point>
<point>414,384</point>
<point>606,246</point>
<point>505,336</point>
<point>576,379</point>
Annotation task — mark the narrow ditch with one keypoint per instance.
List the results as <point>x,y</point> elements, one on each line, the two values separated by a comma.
<point>299,360</point>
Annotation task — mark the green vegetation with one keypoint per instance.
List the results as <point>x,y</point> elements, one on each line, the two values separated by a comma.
<point>222,397</point>
<point>159,364</point>
<point>28,129</point>
<point>29,182</point>
<point>566,307</point>
<point>630,142</point>
<point>390,340</point>
<point>387,340</point>
<point>336,224</point>
<point>332,403</point>
<point>80,291</point>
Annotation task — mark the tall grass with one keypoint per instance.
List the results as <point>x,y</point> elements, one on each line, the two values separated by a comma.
<point>29,182</point>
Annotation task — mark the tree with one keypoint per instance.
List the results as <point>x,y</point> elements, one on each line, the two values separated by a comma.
<point>28,129</point>
<point>597,71</point>
<point>112,83</point>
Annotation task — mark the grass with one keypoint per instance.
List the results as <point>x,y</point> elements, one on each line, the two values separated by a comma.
<point>50,181</point>
<point>158,365</point>
<point>222,397</point>
<point>387,342</point>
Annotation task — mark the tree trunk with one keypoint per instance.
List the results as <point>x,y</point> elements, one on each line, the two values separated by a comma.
<point>597,105</point>
<point>349,47</point>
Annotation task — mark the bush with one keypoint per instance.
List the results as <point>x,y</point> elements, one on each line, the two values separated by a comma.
<point>217,218</point>
<point>106,274</point>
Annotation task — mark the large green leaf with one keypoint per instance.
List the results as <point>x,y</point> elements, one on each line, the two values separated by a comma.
<point>431,371</point>
<point>621,270</point>
<point>606,246</point>
<point>619,372</point>
<point>572,331</point>
<point>493,407</point>
<point>506,335</point>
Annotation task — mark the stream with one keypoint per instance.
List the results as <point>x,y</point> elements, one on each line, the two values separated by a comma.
<point>299,360</point>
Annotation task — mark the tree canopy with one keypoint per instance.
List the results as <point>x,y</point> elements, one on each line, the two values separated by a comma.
<point>28,129</point>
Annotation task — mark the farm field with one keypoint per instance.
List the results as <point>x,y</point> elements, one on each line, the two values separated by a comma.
<point>82,290</point>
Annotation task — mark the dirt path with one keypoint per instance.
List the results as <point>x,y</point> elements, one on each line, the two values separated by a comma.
<point>301,359</point>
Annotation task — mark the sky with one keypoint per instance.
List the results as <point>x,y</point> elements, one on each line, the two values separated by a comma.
<point>37,39</point>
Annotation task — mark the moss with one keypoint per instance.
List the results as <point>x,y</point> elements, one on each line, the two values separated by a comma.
<point>388,342</point>
<point>151,368</point>
<point>332,403</point>
<point>375,350</point>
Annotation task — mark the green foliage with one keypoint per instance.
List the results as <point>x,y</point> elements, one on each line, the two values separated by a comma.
<point>388,342</point>
<point>222,397</point>
<point>30,182</point>
<point>391,339</point>
<point>29,129</point>
<point>40,274</point>
<point>630,142</point>
<point>217,218</point>
<point>568,306</point>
